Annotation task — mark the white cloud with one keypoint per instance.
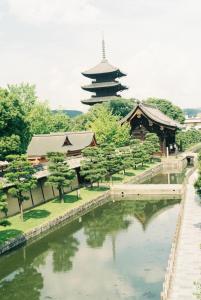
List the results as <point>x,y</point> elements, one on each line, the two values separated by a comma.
<point>53,11</point>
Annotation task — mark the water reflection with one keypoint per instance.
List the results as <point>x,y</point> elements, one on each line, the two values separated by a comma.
<point>166,178</point>
<point>118,251</point>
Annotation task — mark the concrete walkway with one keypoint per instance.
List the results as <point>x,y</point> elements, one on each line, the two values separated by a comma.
<point>147,189</point>
<point>188,262</point>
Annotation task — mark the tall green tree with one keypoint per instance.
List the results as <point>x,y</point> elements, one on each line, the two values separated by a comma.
<point>26,94</point>
<point>14,127</point>
<point>20,174</point>
<point>93,167</point>
<point>168,108</point>
<point>108,129</point>
<point>61,175</point>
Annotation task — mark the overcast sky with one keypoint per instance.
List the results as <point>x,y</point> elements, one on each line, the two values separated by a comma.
<point>49,42</point>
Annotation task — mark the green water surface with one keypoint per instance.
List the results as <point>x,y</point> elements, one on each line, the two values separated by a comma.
<point>117,251</point>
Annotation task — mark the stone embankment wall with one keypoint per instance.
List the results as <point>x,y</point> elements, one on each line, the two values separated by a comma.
<point>172,256</point>
<point>68,217</point>
<point>147,174</point>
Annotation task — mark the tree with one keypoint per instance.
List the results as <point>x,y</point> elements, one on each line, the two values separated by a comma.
<point>168,108</point>
<point>120,107</point>
<point>14,128</point>
<point>60,174</point>
<point>60,122</point>
<point>3,202</point>
<point>185,139</point>
<point>125,159</point>
<point>20,174</point>
<point>93,167</point>
<point>26,93</point>
<point>136,154</point>
<point>111,159</point>
<point>40,118</point>
<point>108,129</point>
<point>151,144</point>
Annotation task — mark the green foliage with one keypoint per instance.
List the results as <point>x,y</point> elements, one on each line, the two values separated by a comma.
<point>139,153</point>
<point>168,108</point>
<point>26,94</point>
<point>120,107</point>
<point>125,159</point>
<point>151,143</point>
<point>19,174</point>
<point>14,128</point>
<point>93,167</point>
<point>185,139</point>
<point>3,201</point>
<point>112,160</point>
<point>61,175</point>
<point>198,182</point>
<point>107,128</point>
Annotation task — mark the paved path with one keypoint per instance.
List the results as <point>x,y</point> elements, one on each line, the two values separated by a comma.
<point>188,262</point>
<point>147,189</point>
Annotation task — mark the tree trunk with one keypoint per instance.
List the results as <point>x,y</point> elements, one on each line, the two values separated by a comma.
<point>61,198</point>
<point>21,210</point>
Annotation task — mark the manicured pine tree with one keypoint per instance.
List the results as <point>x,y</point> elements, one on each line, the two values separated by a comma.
<point>61,175</point>
<point>111,159</point>
<point>136,152</point>
<point>125,158</point>
<point>152,144</point>
<point>3,202</point>
<point>20,174</point>
<point>93,167</point>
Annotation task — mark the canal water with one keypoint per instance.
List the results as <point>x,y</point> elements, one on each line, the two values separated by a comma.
<point>166,178</point>
<point>117,251</point>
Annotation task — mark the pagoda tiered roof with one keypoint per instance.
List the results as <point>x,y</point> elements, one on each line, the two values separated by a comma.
<point>104,67</point>
<point>105,84</point>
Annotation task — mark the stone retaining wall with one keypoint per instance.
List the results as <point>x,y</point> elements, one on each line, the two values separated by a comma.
<point>146,174</point>
<point>68,216</point>
<point>172,256</point>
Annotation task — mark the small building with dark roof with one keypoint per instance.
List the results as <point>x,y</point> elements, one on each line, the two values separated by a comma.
<point>69,143</point>
<point>105,85</point>
<point>145,118</point>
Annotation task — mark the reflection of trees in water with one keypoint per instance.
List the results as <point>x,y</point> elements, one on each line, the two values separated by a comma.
<point>26,284</point>
<point>102,221</point>
<point>63,252</point>
<point>112,218</point>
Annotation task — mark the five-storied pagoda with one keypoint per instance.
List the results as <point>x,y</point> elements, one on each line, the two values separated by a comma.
<point>104,83</point>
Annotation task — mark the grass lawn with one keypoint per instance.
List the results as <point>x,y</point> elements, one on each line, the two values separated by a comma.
<point>46,212</point>
<point>120,177</point>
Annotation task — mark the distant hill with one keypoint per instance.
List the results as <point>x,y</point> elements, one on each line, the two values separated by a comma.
<point>70,113</point>
<point>192,112</point>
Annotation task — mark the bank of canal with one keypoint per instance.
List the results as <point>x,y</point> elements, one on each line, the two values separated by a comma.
<point>117,251</point>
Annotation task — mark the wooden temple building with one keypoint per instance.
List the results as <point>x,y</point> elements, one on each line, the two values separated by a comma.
<point>69,143</point>
<point>104,85</point>
<point>145,118</point>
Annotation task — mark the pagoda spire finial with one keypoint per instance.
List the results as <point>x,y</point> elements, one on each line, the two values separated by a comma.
<point>103,48</point>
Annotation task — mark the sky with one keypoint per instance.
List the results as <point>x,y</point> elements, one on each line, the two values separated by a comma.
<point>50,42</point>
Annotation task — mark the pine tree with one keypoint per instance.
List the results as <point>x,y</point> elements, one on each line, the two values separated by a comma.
<point>3,202</point>
<point>125,158</point>
<point>93,167</point>
<point>20,174</point>
<point>61,175</point>
<point>111,159</point>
